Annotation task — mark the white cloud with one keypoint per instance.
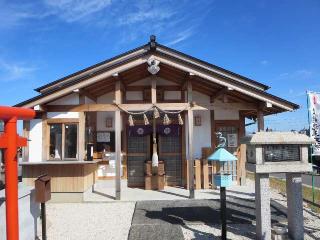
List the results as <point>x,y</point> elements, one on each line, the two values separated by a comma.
<point>75,10</point>
<point>264,62</point>
<point>181,36</point>
<point>68,10</point>
<point>12,15</point>
<point>301,74</point>
<point>172,22</point>
<point>14,71</point>
<point>153,14</point>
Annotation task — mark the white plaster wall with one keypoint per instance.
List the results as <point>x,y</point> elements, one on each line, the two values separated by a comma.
<point>62,115</point>
<point>101,121</point>
<point>88,100</point>
<point>200,98</point>
<point>226,114</point>
<point>201,134</point>
<point>106,98</point>
<point>228,111</point>
<point>71,99</point>
<point>134,95</point>
<point>35,145</point>
<point>172,95</point>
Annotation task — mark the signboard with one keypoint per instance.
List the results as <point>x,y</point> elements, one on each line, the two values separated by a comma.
<point>314,120</point>
<point>103,137</point>
<point>232,140</point>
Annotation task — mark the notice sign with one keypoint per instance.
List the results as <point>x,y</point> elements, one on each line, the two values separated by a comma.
<point>314,120</point>
<point>232,140</point>
<point>103,136</point>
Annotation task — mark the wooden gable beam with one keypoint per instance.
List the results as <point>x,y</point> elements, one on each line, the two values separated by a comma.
<point>218,94</point>
<point>240,98</point>
<point>87,94</point>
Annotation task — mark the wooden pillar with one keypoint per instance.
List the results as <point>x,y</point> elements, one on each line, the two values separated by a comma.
<point>26,131</point>
<point>241,164</point>
<point>82,130</point>
<point>213,146</point>
<point>190,143</point>
<point>45,138</point>
<point>198,173</point>
<point>118,99</point>
<point>153,89</point>
<point>260,120</point>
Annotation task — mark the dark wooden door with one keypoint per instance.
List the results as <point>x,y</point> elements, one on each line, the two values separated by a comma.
<point>170,153</point>
<point>138,153</point>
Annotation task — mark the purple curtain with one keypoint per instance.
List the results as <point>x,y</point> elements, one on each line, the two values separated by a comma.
<point>172,130</point>
<point>140,130</point>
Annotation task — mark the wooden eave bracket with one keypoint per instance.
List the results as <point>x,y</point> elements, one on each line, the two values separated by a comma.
<point>219,94</point>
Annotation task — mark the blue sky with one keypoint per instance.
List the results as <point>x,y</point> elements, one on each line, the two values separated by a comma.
<point>274,42</point>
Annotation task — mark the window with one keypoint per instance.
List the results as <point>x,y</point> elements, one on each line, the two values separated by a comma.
<point>63,141</point>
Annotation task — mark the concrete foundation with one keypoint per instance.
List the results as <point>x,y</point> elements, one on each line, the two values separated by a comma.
<point>66,198</point>
<point>295,205</point>
<point>263,213</point>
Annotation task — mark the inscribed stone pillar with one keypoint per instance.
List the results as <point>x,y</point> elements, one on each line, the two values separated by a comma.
<point>263,214</point>
<point>295,205</point>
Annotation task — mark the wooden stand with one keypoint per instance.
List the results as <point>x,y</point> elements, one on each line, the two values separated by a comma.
<point>154,182</point>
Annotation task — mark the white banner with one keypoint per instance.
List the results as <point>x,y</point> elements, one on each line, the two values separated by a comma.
<point>314,120</point>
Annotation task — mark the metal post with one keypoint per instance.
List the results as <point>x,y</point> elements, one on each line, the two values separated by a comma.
<point>312,177</point>
<point>223,213</point>
<point>44,221</point>
<point>311,147</point>
<point>11,176</point>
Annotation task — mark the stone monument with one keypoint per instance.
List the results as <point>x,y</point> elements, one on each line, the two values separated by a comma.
<point>278,152</point>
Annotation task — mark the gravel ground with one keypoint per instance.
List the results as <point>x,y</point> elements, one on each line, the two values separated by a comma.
<point>178,219</point>
<point>247,231</point>
<point>311,219</point>
<point>86,221</point>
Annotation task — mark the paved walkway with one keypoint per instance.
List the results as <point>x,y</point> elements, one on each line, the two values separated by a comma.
<point>104,191</point>
<point>192,219</point>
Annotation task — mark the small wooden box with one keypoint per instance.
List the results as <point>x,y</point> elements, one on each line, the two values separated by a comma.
<point>148,182</point>
<point>43,189</point>
<point>161,181</point>
<point>97,155</point>
<point>154,182</point>
<point>148,168</point>
<point>161,168</point>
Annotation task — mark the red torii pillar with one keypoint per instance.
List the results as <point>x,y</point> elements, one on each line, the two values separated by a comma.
<point>10,141</point>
